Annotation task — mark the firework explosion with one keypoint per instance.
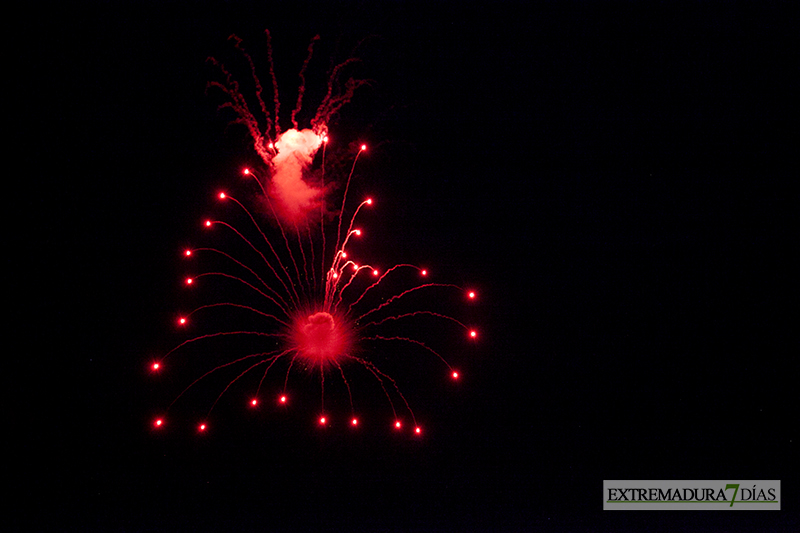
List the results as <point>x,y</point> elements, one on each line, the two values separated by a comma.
<point>297,302</point>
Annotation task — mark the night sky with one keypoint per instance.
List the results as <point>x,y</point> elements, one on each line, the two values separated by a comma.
<point>617,179</point>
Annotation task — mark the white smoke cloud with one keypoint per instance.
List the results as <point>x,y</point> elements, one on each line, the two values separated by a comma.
<point>295,152</point>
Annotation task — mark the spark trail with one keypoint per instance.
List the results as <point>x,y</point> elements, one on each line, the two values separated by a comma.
<point>284,300</point>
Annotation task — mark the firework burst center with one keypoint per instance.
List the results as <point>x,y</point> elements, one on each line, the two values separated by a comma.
<point>321,337</point>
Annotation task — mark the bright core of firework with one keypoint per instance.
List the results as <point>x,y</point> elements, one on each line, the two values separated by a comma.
<point>320,337</point>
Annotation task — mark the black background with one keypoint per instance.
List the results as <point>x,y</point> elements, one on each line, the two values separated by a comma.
<point>616,178</point>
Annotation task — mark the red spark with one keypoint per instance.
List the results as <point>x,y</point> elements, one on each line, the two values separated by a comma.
<point>354,421</point>
<point>155,366</point>
<point>455,375</point>
<point>397,424</point>
<point>189,281</point>
<point>418,430</point>
<point>158,422</point>
<point>283,399</point>
<point>208,223</point>
<point>322,420</point>
<point>254,402</point>
<point>471,295</point>
<point>473,334</point>
<point>187,253</point>
<point>222,196</point>
<point>201,427</point>
<point>182,321</point>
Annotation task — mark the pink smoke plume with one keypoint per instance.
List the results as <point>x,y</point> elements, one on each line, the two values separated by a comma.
<point>288,154</point>
<point>295,152</point>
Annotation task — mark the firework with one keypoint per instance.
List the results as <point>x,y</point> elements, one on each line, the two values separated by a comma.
<point>285,295</point>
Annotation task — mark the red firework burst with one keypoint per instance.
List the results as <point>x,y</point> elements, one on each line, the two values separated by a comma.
<point>303,304</point>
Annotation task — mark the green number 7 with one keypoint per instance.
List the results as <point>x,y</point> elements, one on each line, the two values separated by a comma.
<point>734,486</point>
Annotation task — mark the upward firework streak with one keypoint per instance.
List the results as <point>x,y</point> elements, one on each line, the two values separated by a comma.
<point>316,308</point>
